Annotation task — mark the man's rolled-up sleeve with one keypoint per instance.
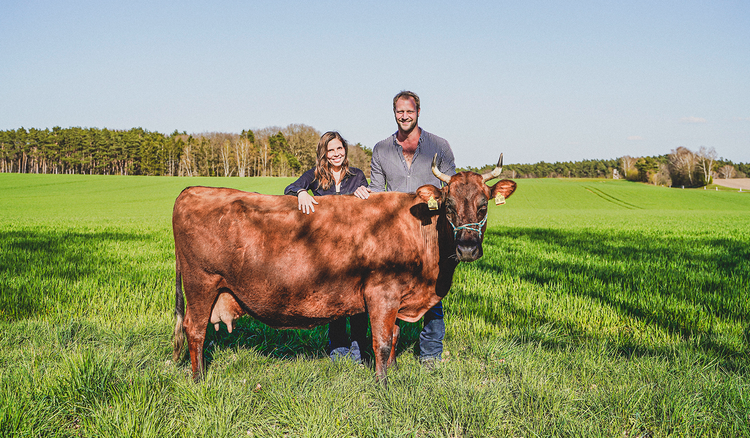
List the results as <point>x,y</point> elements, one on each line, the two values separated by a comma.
<point>447,163</point>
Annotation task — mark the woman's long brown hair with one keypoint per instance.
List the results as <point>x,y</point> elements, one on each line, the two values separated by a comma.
<point>323,168</point>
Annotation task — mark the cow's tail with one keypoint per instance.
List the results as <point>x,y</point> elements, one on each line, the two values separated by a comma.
<point>179,314</point>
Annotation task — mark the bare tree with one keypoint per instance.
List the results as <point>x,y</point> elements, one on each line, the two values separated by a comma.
<point>358,158</point>
<point>303,143</point>
<point>628,167</point>
<point>186,161</point>
<point>264,152</point>
<point>727,171</point>
<point>225,151</point>
<point>682,166</point>
<point>662,177</point>
<point>706,158</point>
<point>508,173</point>
<point>243,152</point>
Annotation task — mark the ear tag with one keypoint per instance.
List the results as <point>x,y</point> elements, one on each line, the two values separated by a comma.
<point>432,203</point>
<point>499,199</point>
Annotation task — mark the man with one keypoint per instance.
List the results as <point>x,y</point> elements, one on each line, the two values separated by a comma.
<point>403,163</point>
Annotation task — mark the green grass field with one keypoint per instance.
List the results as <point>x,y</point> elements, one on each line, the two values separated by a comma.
<point>600,308</point>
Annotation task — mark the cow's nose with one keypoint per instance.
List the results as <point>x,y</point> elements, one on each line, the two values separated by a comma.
<point>468,251</point>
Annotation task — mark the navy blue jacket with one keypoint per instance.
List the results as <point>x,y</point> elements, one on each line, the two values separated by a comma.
<point>307,181</point>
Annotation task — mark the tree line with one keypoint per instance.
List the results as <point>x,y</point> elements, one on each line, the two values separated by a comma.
<point>682,167</point>
<point>291,150</point>
<point>271,151</point>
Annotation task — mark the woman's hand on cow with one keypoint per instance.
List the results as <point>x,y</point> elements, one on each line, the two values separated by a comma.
<point>305,202</point>
<point>362,192</point>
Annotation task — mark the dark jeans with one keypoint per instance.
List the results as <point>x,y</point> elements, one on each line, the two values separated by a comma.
<point>339,338</point>
<point>432,334</point>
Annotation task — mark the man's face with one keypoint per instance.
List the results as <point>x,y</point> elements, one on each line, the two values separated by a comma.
<point>406,114</point>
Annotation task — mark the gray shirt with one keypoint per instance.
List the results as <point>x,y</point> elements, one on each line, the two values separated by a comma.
<point>389,171</point>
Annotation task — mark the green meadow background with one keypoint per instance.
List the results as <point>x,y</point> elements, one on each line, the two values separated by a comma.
<point>600,308</point>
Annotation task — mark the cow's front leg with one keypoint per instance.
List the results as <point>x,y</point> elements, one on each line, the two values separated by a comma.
<point>383,334</point>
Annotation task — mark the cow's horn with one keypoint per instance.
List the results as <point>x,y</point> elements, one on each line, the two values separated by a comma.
<point>440,175</point>
<point>495,172</point>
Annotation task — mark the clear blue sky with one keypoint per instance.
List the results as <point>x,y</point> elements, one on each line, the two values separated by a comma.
<point>536,80</point>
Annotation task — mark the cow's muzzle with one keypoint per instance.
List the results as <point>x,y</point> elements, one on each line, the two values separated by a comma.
<point>468,250</point>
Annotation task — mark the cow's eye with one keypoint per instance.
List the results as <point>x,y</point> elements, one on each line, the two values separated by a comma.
<point>450,211</point>
<point>482,211</point>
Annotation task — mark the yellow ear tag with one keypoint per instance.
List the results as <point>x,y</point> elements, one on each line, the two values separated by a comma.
<point>432,203</point>
<point>499,199</point>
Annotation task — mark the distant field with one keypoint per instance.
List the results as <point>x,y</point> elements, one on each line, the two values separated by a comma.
<point>734,183</point>
<point>600,308</point>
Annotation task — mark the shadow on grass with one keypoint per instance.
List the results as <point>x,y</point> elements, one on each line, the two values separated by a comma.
<point>290,344</point>
<point>40,267</point>
<point>682,284</point>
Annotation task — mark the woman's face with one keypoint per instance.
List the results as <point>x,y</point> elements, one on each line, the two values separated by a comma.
<point>336,153</point>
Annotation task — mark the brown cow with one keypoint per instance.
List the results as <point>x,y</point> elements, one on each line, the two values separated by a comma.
<point>390,255</point>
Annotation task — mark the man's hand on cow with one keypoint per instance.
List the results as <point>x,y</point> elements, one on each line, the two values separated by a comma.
<point>362,192</point>
<point>305,202</point>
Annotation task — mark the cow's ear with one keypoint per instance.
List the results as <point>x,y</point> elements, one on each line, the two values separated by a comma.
<point>504,188</point>
<point>426,210</point>
<point>430,195</point>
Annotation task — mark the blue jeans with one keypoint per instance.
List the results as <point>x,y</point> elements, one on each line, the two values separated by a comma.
<point>432,334</point>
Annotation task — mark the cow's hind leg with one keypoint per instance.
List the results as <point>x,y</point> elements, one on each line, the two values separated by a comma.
<point>201,293</point>
<point>195,328</point>
<point>179,338</point>
<point>179,317</point>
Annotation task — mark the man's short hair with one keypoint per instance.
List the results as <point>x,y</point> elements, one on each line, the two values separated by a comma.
<point>405,95</point>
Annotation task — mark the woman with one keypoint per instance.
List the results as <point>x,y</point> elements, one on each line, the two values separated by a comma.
<point>333,176</point>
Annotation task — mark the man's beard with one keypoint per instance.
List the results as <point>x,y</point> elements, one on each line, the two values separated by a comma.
<point>410,126</point>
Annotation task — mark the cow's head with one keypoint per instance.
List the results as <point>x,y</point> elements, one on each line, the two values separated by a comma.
<point>464,202</point>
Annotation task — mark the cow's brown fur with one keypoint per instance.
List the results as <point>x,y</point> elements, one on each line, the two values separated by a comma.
<point>239,252</point>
